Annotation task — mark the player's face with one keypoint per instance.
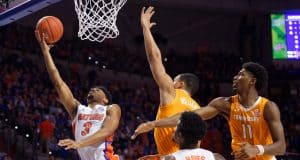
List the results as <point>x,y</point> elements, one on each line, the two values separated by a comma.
<point>96,95</point>
<point>242,81</point>
<point>177,83</point>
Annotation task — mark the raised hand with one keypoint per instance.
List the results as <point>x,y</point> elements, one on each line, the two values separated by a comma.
<point>146,17</point>
<point>142,128</point>
<point>41,39</point>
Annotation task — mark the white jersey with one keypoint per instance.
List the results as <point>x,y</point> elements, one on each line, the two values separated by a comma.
<point>86,123</point>
<point>193,154</point>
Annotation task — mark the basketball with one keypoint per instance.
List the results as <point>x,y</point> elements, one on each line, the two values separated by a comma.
<point>52,28</point>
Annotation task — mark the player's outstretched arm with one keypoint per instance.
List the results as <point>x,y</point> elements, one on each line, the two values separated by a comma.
<point>65,94</point>
<point>148,126</point>
<point>208,112</point>
<point>272,116</point>
<point>160,76</point>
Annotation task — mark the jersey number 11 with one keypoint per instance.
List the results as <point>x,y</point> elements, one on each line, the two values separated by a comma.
<point>247,131</point>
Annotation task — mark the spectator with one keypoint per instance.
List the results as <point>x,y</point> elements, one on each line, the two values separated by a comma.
<point>46,133</point>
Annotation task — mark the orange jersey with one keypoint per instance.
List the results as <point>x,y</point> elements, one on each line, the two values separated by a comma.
<point>249,125</point>
<point>163,136</point>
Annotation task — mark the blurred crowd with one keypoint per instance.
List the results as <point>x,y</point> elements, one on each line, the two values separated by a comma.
<point>30,112</point>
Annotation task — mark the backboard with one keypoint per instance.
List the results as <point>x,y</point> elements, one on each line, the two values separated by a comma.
<point>12,10</point>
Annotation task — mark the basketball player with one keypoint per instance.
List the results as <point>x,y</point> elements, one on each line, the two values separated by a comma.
<point>189,132</point>
<point>175,96</point>
<point>93,125</point>
<point>254,121</point>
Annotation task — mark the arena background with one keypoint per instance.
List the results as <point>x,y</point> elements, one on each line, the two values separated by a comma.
<point>210,38</point>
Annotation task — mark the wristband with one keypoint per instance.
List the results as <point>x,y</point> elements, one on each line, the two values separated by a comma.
<point>261,149</point>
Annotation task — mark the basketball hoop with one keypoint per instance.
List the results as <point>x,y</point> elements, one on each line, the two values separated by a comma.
<point>97,18</point>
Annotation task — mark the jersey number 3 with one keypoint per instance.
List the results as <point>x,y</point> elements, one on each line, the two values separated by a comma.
<point>247,131</point>
<point>86,128</point>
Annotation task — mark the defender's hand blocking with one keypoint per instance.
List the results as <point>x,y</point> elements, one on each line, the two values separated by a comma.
<point>146,17</point>
<point>41,39</point>
<point>142,128</point>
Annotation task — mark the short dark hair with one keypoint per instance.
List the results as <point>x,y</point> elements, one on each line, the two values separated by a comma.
<point>106,92</point>
<point>259,72</point>
<point>191,127</point>
<point>191,82</point>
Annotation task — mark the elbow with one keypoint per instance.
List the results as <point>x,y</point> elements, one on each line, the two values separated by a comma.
<point>153,54</point>
<point>58,84</point>
<point>152,58</point>
<point>108,133</point>
<point>102,137</point>
<point>282,148</point>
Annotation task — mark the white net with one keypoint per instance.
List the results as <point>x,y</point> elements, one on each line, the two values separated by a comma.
<point>97,18</point>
